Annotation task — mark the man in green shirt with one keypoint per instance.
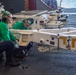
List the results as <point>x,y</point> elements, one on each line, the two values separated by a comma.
<point>24,25</point>
<point>7,41</point>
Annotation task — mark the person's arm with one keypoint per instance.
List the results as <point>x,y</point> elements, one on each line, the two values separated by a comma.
<point>12,37</point>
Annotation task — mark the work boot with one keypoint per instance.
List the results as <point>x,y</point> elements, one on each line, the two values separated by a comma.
<point>12,64</point>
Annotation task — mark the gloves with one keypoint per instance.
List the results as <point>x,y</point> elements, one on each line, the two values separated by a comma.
<point>16,45</point>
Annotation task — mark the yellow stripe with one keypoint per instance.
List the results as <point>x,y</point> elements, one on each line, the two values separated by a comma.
<point>42,26</point>
<point>64,39</point>
<point>73,42</point>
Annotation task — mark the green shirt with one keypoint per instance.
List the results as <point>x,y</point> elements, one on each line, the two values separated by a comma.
<point>5,34</point>
<point>19,25</point>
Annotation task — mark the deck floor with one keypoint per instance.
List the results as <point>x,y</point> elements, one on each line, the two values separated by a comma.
<point>62,62</point>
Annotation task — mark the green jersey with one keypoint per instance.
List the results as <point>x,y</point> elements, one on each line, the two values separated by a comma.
<point>19,25</point>
<point>5,34</point>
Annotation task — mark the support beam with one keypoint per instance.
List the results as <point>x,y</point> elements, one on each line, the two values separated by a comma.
<point>26,5</point>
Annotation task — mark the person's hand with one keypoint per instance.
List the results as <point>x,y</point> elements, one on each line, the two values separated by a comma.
<point>26,25</point>
<point>17,41</point>
<point>16,45</point>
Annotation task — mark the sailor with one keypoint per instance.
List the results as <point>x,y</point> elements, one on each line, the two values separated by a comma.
<point>24,24</point>
<point>7,41</point>
<point>10,21</point>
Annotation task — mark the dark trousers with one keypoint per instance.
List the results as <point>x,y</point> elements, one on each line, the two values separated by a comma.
<point>8,47</point>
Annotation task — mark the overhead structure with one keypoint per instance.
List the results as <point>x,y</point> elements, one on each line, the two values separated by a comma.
<point>40,4</point>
